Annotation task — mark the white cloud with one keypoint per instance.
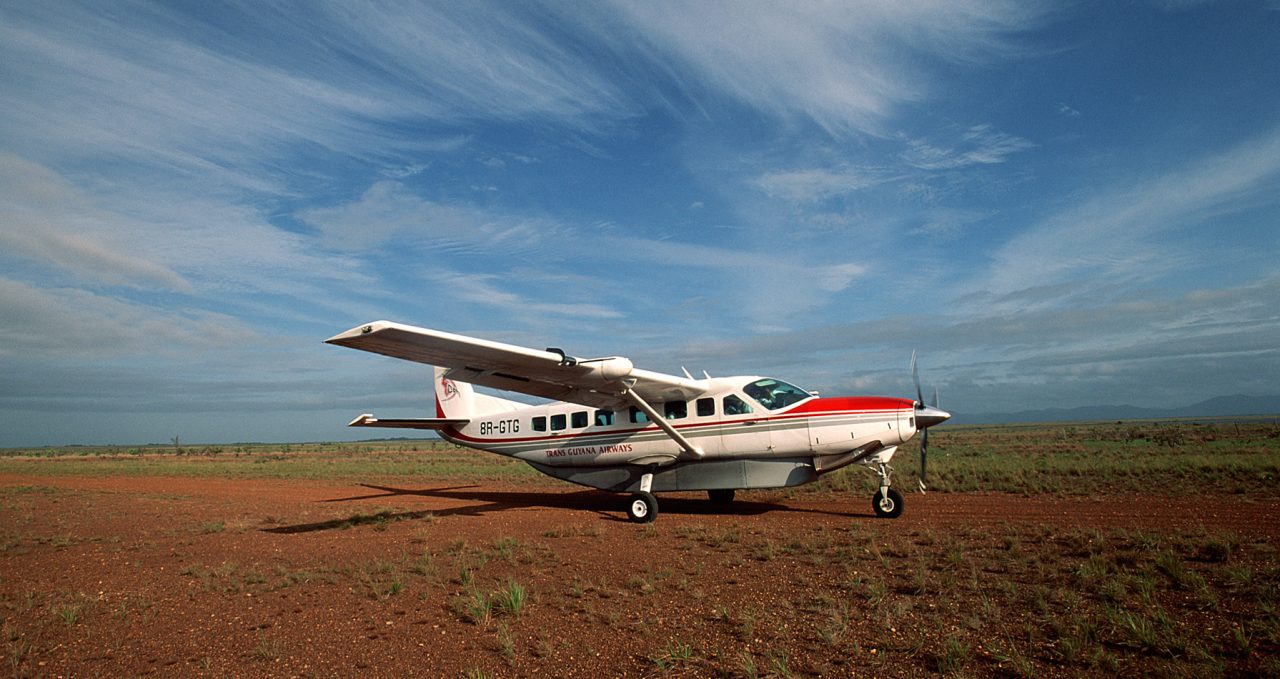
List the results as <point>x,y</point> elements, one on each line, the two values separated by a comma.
<point>481,289</point>
<point>845,66</point>
<point>768,285</point>
<point>66,323</point>
<point>388,210</point>
<point>1115,234</point>
<point>151,239</point>
<point>46,219</point>
<point>949,223</point>
<point>979,145</point>
<point>813,185</point>
<point>178,92</point>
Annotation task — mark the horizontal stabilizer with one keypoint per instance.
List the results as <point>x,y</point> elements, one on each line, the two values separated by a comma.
<point>368,420</point>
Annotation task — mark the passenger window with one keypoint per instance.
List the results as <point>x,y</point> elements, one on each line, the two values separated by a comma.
<point>580,419</point>
<point>675,410</point>
<point>604,418</point>
<point>557,422</point>
<point>637,415</point>
<point>706,407</point>
<point>735,406</point>
<point>539,424</point>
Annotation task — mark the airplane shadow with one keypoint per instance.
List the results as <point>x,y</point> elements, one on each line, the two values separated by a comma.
<point>607,506</point>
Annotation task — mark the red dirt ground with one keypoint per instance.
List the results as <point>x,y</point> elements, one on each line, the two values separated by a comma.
<point>181,576</point>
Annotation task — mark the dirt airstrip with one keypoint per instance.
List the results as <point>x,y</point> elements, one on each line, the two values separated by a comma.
<point>214,577</point>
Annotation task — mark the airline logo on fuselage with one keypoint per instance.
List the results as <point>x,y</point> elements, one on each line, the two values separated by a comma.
<point>589,450</point>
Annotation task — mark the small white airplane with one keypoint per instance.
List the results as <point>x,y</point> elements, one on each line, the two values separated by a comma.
<point>618,428</point>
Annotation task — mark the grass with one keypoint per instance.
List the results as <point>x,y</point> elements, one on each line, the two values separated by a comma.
<point>674,654</point>
<point>71,612</point>
<point>267,647</point>
<point>1090,458</point>
<point>511,598</point>
<point>1074,458</point>
<point>506,644</point>
<point>419,459</point>
<point>380,578</point>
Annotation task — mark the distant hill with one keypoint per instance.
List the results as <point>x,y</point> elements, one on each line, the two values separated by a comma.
<point>1220,406</point>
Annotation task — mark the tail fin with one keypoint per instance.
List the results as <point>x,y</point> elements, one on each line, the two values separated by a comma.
<point>458,400</point>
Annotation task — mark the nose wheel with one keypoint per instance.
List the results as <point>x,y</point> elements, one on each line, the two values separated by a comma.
<point>887,502</point>
<point>887,505</point>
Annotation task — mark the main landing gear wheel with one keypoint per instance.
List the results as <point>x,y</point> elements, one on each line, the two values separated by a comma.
<point>643,508</point>
<point>721,497</point>
<point>887,506</point>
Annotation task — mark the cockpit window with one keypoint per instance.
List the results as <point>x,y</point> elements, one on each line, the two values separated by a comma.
<point>773,394</point>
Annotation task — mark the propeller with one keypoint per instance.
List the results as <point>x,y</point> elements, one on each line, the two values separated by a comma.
<point>926,416</point>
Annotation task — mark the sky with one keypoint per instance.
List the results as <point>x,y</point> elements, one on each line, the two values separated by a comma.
<point>1056,204</point>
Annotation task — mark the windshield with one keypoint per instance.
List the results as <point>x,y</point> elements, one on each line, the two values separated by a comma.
<point>774,394</point>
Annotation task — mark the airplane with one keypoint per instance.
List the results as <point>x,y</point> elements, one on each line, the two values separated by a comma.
<point>619,428</point>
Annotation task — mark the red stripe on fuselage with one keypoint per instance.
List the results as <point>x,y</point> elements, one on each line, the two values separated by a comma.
<point>851,404</point>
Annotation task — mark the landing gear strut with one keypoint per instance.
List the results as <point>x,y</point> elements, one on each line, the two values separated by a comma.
<point>887,502</point>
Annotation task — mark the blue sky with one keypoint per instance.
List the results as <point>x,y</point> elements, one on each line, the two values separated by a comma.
<point>1057,204</point>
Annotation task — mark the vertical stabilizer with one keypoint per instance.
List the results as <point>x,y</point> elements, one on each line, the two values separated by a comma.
<point>454,400</point>
<point>457,400</point>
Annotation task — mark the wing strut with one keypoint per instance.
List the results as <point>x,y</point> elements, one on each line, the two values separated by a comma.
<point>661,421</point>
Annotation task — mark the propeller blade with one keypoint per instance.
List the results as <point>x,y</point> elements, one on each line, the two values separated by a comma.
<point>925,416</point>
<point>915,377</point>
<point>924,457</point>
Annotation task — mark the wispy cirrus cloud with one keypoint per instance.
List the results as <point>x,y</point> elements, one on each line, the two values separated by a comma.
<point>388,210</point>
<point>844,67</point>
<point>70,323</point>
<point>764,286</point>
<point>1115,232</point>
<point>481,288</point>
<point>818,184</point>
<point>48,220</point>
<point>979,145</point>
<point>228,94</point>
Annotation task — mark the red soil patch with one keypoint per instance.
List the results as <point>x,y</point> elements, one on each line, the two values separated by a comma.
<point>125,576</point>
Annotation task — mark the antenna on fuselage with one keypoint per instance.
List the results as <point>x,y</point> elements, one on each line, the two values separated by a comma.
<point>686,372</point>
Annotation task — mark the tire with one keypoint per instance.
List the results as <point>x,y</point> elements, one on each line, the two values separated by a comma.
<point>720,496</point>
<point>887,507</point>
<point>643,508</point>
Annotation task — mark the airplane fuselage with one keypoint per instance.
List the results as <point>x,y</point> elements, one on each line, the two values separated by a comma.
<point>725,423</point>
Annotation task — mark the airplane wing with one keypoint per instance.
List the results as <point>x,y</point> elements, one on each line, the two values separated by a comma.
<point>595,382</point>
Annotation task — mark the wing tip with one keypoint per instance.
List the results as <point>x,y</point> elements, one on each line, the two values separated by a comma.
<point>358,331</point>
